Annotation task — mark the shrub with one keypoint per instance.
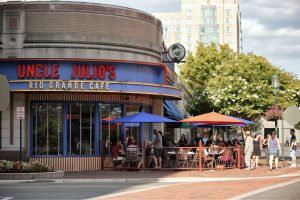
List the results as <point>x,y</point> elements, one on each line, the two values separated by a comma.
<point>23,167</point>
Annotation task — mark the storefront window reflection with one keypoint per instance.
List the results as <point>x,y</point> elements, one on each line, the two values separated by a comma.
<point>47,128</point>
<point>80,120</point>
<point>132,129</point>
<point>110,132</point>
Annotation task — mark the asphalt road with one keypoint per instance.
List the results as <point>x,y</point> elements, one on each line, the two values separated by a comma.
<point>291,191</point>
<point>68,190</point>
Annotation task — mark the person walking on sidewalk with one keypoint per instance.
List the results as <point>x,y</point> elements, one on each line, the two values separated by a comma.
<point>256,149</point>
<point>274,150</point>
<point>248,150</point>
<point>293,136</point>
<point>293,149</point>
<point>266,147</point>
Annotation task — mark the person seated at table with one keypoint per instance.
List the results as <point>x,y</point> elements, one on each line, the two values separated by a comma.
<point>225,153</point>
<point>208,160</point>
<point>205,139</point>
<point>117,149</point>
<point>182,142</point>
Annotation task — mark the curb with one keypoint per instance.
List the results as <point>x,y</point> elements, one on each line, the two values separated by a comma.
<point>148,180</point>
<point>31,176</point>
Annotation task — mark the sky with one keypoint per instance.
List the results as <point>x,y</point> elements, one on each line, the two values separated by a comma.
<point>270,28</point>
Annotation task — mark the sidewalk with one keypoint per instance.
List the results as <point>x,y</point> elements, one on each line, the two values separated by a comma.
<point>262,171</point>
<point>170,175</point>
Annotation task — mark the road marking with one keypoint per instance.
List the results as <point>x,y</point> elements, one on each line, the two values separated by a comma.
<point>248,194</point>
<point>6,198</point>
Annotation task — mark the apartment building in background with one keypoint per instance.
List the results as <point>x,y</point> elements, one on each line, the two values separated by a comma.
<point>203,21</point>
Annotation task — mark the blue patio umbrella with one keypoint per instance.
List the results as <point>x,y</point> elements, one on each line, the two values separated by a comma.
<point>142,117</point>
<point>243,120</point>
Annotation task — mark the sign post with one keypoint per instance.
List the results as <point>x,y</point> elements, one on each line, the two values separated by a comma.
<point>20,116</point>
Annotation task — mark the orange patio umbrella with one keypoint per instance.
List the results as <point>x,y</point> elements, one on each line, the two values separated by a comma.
<point>212,118</point>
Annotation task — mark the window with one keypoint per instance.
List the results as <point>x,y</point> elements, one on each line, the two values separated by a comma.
<point>177,29</point>
<point>202,29</point>
<point>166,29</point>
<point>80,120</point>
<point>228,20</point>
<point>177,21</point>
<point>206,12</point>
<point>110,133</point>
<point>228,12</point>
<point>213,20</point>
<point>189,21</point>
<point>189,39</point>
<point>203,38</point>
<point>214,39</point>
<point>47,129</point>
<point>133,129</point>
<point>12,22</point>
<point>177,36</point>
<point>228,29</point>
<point>188,13</point>
<point>189,29</point>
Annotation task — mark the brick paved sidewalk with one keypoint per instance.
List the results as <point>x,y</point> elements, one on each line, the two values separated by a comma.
<point>156,174</point>
<point>204,190</point>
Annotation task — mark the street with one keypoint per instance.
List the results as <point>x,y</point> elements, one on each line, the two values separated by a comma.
<point>68,191</point>
<point>243,188</point>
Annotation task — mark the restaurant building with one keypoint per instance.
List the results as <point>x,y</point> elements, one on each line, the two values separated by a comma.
<point>74,67</point>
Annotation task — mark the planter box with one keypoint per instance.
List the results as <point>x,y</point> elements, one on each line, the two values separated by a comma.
<point>30,176</point>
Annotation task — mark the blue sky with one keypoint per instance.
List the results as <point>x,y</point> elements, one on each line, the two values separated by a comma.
<point>271,28</point>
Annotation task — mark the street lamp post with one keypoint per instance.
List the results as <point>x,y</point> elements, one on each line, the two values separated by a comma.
<point>275,84</point>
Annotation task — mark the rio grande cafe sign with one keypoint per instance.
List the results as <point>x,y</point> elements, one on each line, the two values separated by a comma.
<point>47,73</point>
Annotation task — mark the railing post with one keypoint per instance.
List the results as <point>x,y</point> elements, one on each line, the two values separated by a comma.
<point>144,156</point>
<point>239,156</point>
<point>200,156</point>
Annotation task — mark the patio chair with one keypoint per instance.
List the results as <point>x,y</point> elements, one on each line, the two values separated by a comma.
<point>226,158</point>
<point>132,158</point>
<point>182,158</point>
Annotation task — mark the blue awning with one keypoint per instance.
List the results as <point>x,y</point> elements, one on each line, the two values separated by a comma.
<point>172,110</point>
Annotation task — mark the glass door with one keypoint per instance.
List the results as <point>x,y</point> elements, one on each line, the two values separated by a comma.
<point>80,119</point>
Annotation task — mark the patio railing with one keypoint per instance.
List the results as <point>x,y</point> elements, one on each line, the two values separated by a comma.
<point>180,158</point>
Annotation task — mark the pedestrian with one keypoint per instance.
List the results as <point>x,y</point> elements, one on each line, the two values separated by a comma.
<point>274,150</point>
<point>182,142</point>
<point>248,150</point>
<point>256,149</point>
<point>266,147</point>
<point>293,149</point>
<point>158,147</point>
<point>196,140</point>
<point>293,136</point>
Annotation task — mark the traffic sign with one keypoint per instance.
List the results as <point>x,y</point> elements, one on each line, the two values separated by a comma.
<point>20,113</point>
<point>292,115</point>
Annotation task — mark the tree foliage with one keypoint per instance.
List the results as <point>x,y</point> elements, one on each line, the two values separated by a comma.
<point>235,84</point>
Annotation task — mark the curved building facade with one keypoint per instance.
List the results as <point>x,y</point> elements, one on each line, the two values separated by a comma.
<point>74,67</point>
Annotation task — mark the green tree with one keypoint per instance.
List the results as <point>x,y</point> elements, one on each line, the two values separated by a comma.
<point>235,84</point>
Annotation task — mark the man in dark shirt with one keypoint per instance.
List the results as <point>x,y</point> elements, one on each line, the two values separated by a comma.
<point>293,136</point>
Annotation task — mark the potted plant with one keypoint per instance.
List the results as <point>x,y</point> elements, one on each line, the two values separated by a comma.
<point>274,113</point>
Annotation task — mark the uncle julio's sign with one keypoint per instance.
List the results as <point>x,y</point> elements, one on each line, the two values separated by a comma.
<point>44,71</point>
<point>87,76</point>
